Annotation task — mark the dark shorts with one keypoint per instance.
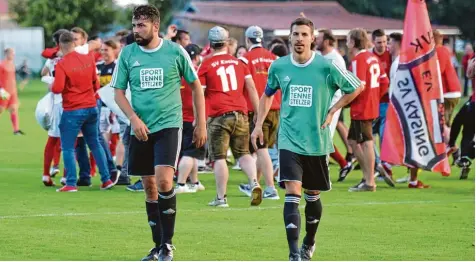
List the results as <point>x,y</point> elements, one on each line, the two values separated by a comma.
<point>360,131</point>
<point>270,129</point>
<point>311,171</point>
<point>161,149</point>
<point>228,130</point>
<point>188,147</point>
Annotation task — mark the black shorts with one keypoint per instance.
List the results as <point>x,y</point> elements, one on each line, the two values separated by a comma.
<point>188,147</point>
<point>161,149</point>
<point>311,171</point>
<point>360,131</point>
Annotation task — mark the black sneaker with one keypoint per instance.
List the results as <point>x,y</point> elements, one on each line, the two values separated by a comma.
<point>307,252</point>
<point>84,182</point>
<point>124,181</point>
<point>19,133</point>
<point>345,171</point>
<point>386,177</point>
<point>166,252</point>
<point>294,257</point>
<point>115,176</point>
<point>464,163</point>
<point>152,256</point>
<point>361,183</point>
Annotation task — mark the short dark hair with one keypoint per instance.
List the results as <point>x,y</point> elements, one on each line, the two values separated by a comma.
<point>303,21</point>
<point>122,33</point>
<point>179,34</point>
<point>359,36</point>
<point>66,38</point>
<point>219,45</point>
<point>79,30</point>
<point>397,37</point>
<point>377,33</point>
<point>57,34</point>
<point>148,12</point>
<point>327,35</point>
<point>280,50</point>
<point>276,41</point>
<point>111,43</point>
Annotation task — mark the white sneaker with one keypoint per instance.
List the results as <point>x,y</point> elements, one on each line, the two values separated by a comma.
<point>54,171</point>
<point>184,189</point>
<point>218,203</point>
<point>199,186</point>
<point>237,166</point>
<point>403,180</point>
<point>63,181</point>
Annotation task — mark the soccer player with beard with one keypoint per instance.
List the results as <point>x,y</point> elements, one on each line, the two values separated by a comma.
<point>308,83</point>
<point>153,68</point>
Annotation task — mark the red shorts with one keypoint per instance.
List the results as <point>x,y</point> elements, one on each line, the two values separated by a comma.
<point>13,100</point>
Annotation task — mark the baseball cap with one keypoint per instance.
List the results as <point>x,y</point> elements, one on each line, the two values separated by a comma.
<point>193,50</point>
<point>218,34</point>
<point>255,32</point>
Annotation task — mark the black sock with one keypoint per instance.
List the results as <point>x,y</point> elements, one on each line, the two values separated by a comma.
<point>292,221</point>
<point>313,212</point>
<point>348,157</point>
<point>181,184</point>
<point>119,167</point>
<point>152,208</point>
<point>167,208</point>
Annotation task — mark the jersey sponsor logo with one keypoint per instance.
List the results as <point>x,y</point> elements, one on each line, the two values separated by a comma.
<point>151,78</point>
<point>136,64</point>
<point>300,96</point>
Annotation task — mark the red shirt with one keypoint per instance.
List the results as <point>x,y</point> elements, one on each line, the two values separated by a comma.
<point>385,60</point>
<point>187,101</point>
<point>258,61</point>
<point>223,77</point>
<point>50,52</point>
<point>76,80</point>
<point>465,61</point>
<point>367,68</point>
<point>8,77</point>
<point>449,78</point>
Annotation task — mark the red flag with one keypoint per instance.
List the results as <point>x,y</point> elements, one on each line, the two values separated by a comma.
<point>414,126</point>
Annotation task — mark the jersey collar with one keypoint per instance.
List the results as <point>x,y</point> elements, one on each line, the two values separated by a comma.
<point>152,50</point>
<point>305,64</point>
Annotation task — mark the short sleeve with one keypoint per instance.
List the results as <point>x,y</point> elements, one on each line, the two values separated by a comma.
<point>185,66</point>
<point>359,71</point>
<point>246,71</point>
<point>120,77</point>
<point>273,83</point>
<point>343,79</point>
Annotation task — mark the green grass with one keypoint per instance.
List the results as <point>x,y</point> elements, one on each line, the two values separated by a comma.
<point>36,223</point>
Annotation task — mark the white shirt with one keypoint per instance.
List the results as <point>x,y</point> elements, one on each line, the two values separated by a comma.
<point>82,49</point>
<point>393,74</point>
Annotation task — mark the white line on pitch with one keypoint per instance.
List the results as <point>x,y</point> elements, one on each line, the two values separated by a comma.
<point>211,209</point>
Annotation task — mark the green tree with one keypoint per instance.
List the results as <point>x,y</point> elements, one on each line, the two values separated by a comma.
<point>92,15</point>
<point>167,10</point>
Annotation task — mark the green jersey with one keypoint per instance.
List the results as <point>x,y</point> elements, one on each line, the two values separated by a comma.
<point>154,77</point>
<point>307,91</point>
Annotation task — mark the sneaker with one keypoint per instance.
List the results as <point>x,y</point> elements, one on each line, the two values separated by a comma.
<point>237,166</point>
<point>115,176</point>
<point>245,189</point>
<point>386,177</point>
<point>54,171</point>
<point>403,180</point>
<point>464,163</point>
<point>63,181</point>
<point>152,256</point>
<point>256,195</point>
<point>123,180</point>
<point>166,252</point>
<point>205,169</point>
<point>345,171</point>
<point>47,181</point>
<point>199,186</point>
<point>184,189</point>
<point>84,182</point>
<point>218,202</point>
<point>419,185</point>
<point>307,252</point>
<point>19,133</point>
<point>136,187</point>
<point>67,189</point>
<point>294,257</point>
<point>464,173</point>
<point>270,193</point>
<point>362,187</point>
<point>107,185</point>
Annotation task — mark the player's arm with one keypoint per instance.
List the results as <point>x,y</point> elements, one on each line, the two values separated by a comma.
<point>60,80</point>
<point>252,93</point>
<point>384,82</point>
<point>45,70</point>
<point>470,70</point>
<point>198,103</point>
<point>96,83</point>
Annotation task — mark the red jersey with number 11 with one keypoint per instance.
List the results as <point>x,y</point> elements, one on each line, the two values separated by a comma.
<point>367,68</point>
<point>223,77</point>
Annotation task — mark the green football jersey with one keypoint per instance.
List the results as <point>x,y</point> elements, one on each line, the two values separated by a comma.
<point>307,90</point>
<point>154,77</point>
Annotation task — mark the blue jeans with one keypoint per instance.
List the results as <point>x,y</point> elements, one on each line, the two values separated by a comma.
<point>110,162</point>
<point>83,160</point>
<point>71,123</point>
<point>274,154</point>
<point>379,126</point>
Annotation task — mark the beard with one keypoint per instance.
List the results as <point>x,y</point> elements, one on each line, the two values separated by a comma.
<point>143,41</point>
<point>298,49</point>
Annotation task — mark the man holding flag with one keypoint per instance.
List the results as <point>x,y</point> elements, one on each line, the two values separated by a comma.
<point>416,107</point>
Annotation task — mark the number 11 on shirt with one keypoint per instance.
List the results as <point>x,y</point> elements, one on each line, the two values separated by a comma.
<point>222,73</point>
